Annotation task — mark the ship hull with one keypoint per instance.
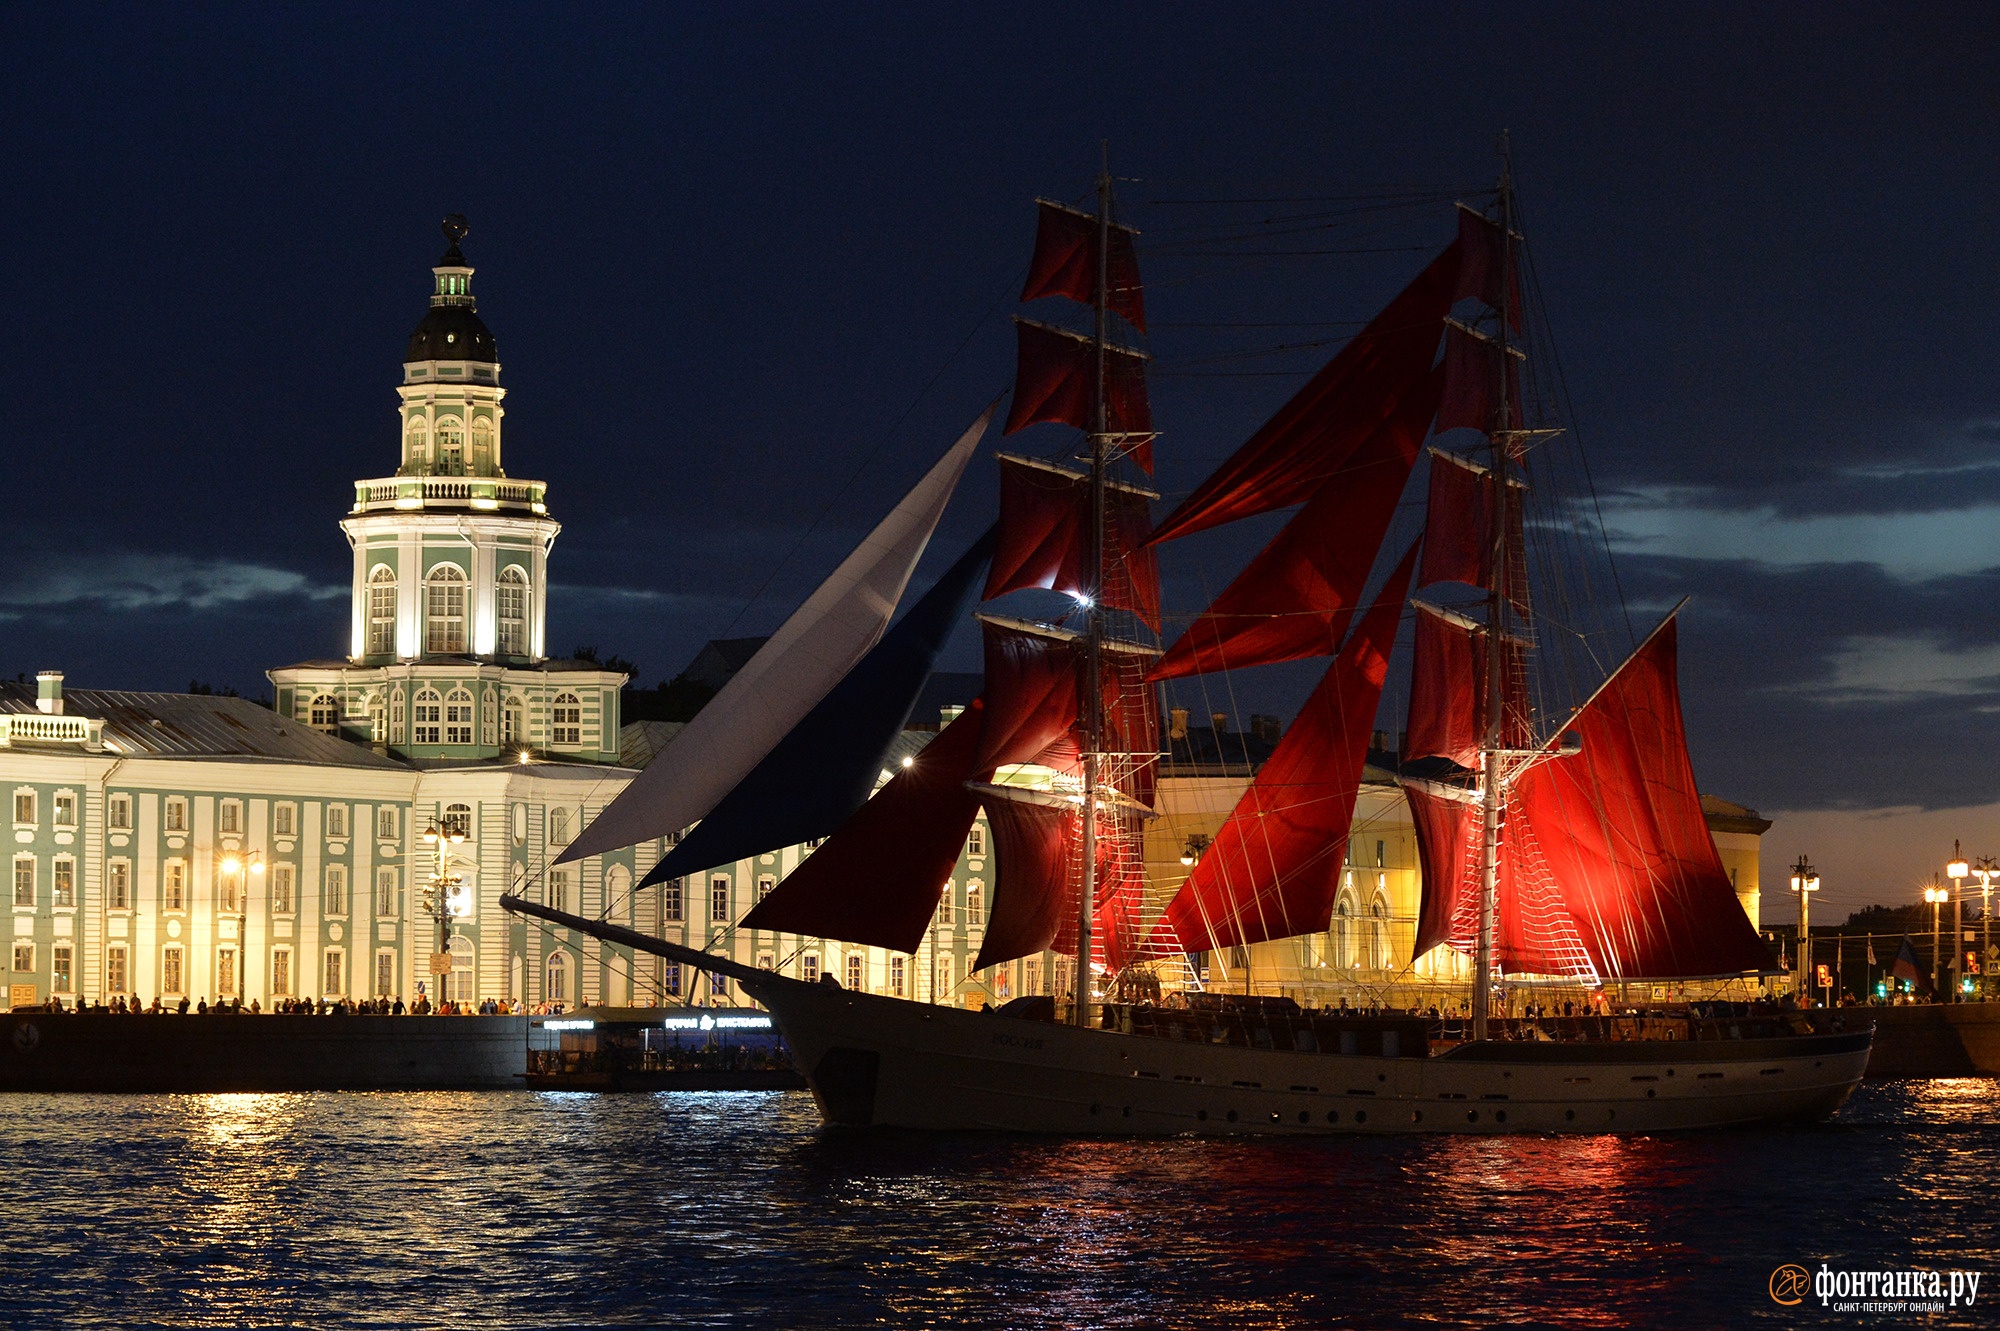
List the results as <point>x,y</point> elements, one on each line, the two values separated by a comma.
<point>884,1062</point>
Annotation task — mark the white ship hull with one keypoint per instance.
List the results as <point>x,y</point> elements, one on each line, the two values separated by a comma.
<point>884,1062</point>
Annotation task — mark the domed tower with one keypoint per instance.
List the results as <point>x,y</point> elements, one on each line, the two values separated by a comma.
<point>447,653</point>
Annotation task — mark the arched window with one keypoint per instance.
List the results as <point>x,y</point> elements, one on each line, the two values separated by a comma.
<point>555,988</point>
<point>510,610</point>
<point>430,709</point>
<point>416,453</point>
<point>1343,933</point>
<point>444,610</point>
<point>513,722</point>
<point>381,611</point>
<point>457,818</point>
<point>482,446</point>
<point>324,714</point>
<point>378,721</point>
<point>463,974</point>
<point>1378,933</point>
<point>558,827</point>
<point>566,720</point>
<point>450,446</point>
<point>458,717</point>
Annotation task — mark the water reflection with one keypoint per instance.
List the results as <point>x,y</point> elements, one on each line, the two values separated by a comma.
<point>533,1209</point>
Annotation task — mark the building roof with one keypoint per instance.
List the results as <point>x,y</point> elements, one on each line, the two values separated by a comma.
<point>194,725</point>
<point>452,332</point>
<point>639,742</point>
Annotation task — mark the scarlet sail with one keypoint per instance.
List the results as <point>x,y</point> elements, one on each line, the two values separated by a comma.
<point>1448,686</point>
<point>1309,438</point>
<point>1055,380</point>
<point>1066,263</point>
<point>1044,539</point>
<point>1274,868</point>
<point>1297,598</point>
<point>1458,539</point>
<point>1038,881</point>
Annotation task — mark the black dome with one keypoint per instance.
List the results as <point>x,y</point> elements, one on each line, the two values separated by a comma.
<point>451,332</point>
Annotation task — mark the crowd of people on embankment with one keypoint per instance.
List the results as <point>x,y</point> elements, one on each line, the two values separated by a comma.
<point>304,1007</point>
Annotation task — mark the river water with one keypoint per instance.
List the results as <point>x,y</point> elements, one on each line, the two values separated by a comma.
<point>519,1209</point>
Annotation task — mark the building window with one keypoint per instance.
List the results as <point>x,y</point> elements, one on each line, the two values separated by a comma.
<point>381,612</point>
<point>430,712</point>
<point>385,974</point>
<point>336,889</point>
<point>229,818</point>
<point>896,976</point>
<point>670,978</point>
<point>24,957</point>
<point>65,809</point>
<point>324,713</point>
<point>336,820</point>
<point>444,610</point>
<point>117,974</point>
<point>555,985</point>
<point>1031,976</point>
<point>385,892</point>
<point>65,882</point>
<point>24,880</point>
<point>975,905</point>
<point>558,827</point>
<point>856,972</point>
<point>119,816</point>
<point>61,979</point>
<point>461,985</point>
<point>396,719</point>
<point>764,885</point>
<point>513,723</point>
<point>24,808</point>
<point>672,904</point>
<point>944,911</point>
<point>975,842</point>
<point>175,818</point>
<point>809,968</point>
<point>284,882</point>
<point>387,822</point>
<point>486,725</point>
<point>284,820</point>
<point>415,444</point>
<point>945,982</point>
<point>225,970</point>
<point>458,717</point>
<point>718,987</point>
<point>118,885</point>
<point>510,612</point>
<point>558,893</point>
<point>281,972</point>
<point>718,899</point>
<point>566,720</point>
<point>458,818</point>
<point>482,445</point>
<point>173,885</point>
<point>450,447</point>
<point>226,892</point>
<point>173,970</point>
<point>336,972</point>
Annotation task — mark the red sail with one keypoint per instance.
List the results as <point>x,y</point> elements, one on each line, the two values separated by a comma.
<point>1483,261</point>
<point>1471,378</point>
<point>1056,381</point>
<point>1458,531</point>
<point>1616,835</point>
<point>1038,874</point>
<point>1450,838</point>
<point>1447,685</point>
<point>1313,434</point>
<point>1274,868</point>
<point>1044,538</point>
<point>877,880</point>
<point>1031,694</point>
<point>1297,598</point>
<point>1065,263</point>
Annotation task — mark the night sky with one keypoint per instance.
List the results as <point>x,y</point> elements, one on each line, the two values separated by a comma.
<point>750,268</point>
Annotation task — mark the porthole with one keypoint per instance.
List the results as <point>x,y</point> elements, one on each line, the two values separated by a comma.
<point>1096,1109</point>
<point>1569,1115</point>
<point>1128,1111</point>
<point>1360,1116</point>
<point>1472,1116</point>
<point>1275,1116</point>
<point>1305,1117</point>
<point>1416,1116</point>
<point>1202,1115</point>
<point>1650,1092</point>
<point>1499,1116</point>
<point>1232,1116</point>
<point>1333,1116</point>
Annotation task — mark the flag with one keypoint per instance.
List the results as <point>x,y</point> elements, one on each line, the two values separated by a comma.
<point>1871,953</point>
<point>1905,965</point>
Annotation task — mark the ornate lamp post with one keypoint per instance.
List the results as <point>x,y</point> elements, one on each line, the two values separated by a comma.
<point>1957,871</point>
<point>1987,870</point>
<point>1805,881</point>
<point>240,871</point>
<point>1936,896</point>
<point>446,893</point>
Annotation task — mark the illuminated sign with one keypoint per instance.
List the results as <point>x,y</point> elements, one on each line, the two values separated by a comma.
<point>585,1025</point>
<point>708,1022</point>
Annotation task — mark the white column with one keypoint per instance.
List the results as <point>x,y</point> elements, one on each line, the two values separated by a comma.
<point>410,594</point>
<point>481,611</point>
<point>358,631</point>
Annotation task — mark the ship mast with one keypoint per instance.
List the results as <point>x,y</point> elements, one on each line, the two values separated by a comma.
<point>1093,692</point>
<point>1502,437</point>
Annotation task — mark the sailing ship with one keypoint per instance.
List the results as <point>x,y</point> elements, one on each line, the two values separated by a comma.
<point>1558,836</point>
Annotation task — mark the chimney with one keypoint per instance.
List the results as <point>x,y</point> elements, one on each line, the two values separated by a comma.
<point>48,692</point>
<point>1177,722</point>
<point>1220,720</point>
<point>1265,728</point>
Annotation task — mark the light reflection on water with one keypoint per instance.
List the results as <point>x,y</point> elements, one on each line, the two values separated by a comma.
<point>523,1209</point>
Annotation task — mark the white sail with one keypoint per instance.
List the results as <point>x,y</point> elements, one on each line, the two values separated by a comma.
<point>801,663</point>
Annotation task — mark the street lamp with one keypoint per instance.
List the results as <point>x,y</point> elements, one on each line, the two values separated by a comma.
<point>1805,882</point>
<point>234,867</point>
<point>1987,870</point>
<point>446,897</point>
<point>1958,870</point>
<point>1936,896</point>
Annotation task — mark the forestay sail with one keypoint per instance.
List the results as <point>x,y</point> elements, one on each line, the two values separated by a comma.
<point>804,659</point>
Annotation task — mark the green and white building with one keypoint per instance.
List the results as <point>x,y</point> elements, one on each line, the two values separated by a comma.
<point>187,845</point>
